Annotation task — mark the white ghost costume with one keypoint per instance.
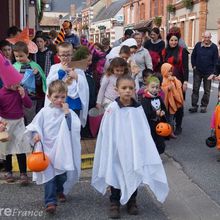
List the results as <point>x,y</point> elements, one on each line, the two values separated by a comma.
<point>115,51</point>
<point>76,89</point>
<point>126,155</point>
<point>61,145</point>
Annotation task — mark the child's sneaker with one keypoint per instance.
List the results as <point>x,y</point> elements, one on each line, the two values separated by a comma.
<point>9,177</point>
<point>51,209</point>
<point>114,211</point>
<point>132,208</point>
<point>24,179</point>
<point>61,197</point>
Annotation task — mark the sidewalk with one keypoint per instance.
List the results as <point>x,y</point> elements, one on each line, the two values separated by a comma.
<point>186,200</point>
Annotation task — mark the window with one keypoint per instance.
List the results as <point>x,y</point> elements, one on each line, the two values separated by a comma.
<point>156,7</point>
<point>142,11</point>
<point>191,36</point>
<point>182,28</point>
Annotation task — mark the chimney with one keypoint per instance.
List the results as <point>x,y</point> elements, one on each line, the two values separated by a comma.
<point>107,3</point>
<point>88,2</point>
<point>73,10</point>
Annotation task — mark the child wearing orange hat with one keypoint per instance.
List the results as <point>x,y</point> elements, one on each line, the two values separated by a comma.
<point>13,98</point>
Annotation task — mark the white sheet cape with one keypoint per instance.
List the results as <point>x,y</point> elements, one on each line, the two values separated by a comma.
<point>126,155</point>
<point>115,51</point>
<point>61,145</point>
<point>82,90</point>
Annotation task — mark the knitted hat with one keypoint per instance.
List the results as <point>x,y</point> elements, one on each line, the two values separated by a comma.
<point>24,37</point>
<point>8,74</point>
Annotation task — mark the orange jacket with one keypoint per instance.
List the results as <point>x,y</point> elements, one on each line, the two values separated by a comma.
<point>172,88</point>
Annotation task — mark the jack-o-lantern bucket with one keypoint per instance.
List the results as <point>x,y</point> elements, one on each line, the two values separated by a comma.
<point>38,161</point>
<point>163,129</point>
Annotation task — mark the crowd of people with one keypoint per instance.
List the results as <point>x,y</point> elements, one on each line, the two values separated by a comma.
<point>45,98</point>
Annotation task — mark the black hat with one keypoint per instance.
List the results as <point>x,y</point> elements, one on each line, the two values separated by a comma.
<point>128,32</point>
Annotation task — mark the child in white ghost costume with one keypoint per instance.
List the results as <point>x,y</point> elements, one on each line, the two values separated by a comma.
<point>125,153</point>
<point>78,89</point>
<point>58,129</point>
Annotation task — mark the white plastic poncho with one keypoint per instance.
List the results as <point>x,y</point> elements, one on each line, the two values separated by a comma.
<point>126,155</point>
<point>81,87</point>
<point>61,145</point>
<point>115,51</point>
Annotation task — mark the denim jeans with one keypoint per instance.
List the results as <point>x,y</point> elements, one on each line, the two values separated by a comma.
<point>198,77</point>
<point>54,187</point>
<point>116,195</point>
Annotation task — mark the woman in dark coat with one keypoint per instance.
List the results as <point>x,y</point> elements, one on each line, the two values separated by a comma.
<point>155,45</point>
<point>178,57</point>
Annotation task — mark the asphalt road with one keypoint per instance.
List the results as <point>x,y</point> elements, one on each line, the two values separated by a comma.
<point>198,161</point>
<point>83,203</point>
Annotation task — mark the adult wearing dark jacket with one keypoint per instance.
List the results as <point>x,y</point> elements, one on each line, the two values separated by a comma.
<point>155,45</point>
<point>204,58</point>
<point>177,56</point>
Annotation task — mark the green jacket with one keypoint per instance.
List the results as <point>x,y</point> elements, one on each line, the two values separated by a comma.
<point>34,65</point>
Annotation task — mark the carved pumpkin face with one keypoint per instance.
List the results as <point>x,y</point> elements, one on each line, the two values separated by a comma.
<point>37,161</point>
<point>163,129</point>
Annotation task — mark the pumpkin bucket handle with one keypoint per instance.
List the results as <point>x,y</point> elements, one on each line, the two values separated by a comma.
<point>42,147</point>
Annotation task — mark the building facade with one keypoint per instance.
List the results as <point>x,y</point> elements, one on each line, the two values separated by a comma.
<point>142,15</point>
<point>109,22</point>
<point>194,20</point>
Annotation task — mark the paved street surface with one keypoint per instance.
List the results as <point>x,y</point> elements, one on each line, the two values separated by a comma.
<point>193,175</point>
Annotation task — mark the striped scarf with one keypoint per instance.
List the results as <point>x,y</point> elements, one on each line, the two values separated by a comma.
<point>60,37</point>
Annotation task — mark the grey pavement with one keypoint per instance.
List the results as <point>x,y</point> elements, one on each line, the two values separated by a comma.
<point>82,203</point>
<point>186,200</point>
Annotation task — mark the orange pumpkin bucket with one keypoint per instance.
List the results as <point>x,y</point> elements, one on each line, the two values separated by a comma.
<point>38,161</point>
<point>163,129</point>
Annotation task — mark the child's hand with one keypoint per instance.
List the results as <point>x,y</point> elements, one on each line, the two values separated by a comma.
<point>21,91</point>
<point>170,78</point>
<point>35,71</point>
<point>73,74</point>
<point>65,108</point>
<point>98,106</point>
<point>170,87</point>
<point>36,138</point>
<point>158,112</point>
<point>162,113</point>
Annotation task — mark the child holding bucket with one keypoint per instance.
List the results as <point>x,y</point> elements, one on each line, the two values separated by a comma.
<point>125,158</point>
<point>154,109</point>
<point>58,129</point>
<point>173,94</point>
<point>13,98</point>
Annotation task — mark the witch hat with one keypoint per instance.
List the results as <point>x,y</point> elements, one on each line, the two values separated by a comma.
<point>24,37</point>
<point>8,74</point>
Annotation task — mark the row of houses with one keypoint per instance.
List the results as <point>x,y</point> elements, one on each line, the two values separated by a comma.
<point>111,17</point>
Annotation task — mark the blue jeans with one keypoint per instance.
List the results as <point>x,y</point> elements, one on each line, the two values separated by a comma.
<point>54,187</point>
